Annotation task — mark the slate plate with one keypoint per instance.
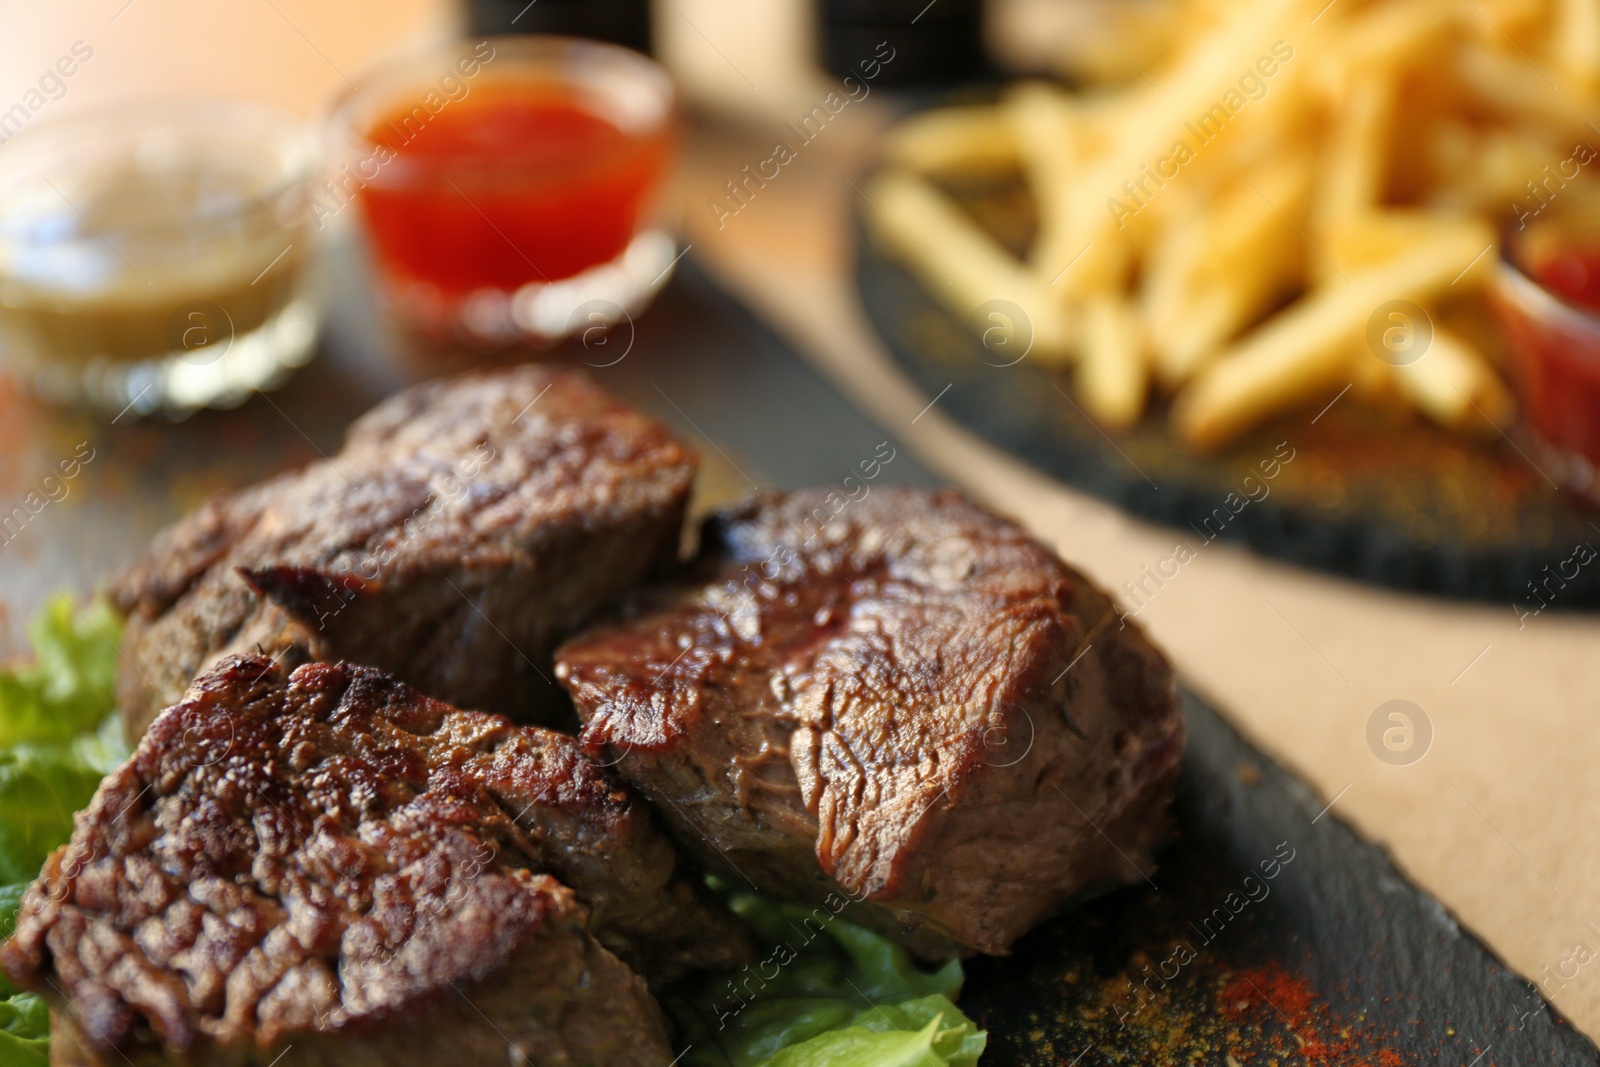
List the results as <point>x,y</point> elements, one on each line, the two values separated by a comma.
<point>1358,947</point>
<point>1372,493</point>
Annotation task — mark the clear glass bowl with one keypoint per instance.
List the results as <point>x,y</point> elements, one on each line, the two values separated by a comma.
<point>483,227</point>
<point>1555,349</point>
<point>152,257</point>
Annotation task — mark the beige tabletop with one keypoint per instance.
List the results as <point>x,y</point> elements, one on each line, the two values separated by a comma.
<point>1494,820</point>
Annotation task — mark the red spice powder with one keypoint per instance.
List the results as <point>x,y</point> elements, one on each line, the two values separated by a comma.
<point>1269,987</point>
<point>1271,995</point>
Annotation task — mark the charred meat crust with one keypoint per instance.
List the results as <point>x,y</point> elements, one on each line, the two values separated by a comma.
<point>331,861</point>
<point>908,701</point>
<point>464,529</point>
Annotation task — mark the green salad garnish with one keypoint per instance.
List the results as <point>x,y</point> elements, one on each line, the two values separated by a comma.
<point>825,993</point>
<point>70,688</point>
<point>58,737</point>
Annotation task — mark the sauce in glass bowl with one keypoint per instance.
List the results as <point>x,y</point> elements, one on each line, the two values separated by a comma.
<point>151,257</point>
<point>1547,297</point>
<point>515,183</point>
<point>508,184</point>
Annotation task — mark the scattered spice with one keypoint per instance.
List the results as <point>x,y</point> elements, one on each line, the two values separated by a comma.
<point>1271,997</point>
<point>1208,1013</point>
<point>1274,986</point>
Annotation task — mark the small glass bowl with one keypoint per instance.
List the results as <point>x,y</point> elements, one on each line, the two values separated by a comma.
<point>1555,350</point>
<point>152,257</point>
<point>507,237</point>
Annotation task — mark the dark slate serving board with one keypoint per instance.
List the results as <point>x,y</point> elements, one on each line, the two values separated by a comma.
<point>1373,493</point>
<point>1358,947</point>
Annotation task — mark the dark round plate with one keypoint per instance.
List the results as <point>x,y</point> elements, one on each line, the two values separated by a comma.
<point>1371,493</point>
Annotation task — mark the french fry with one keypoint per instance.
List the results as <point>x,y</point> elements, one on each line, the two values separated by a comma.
<point>1112,376</point>
<point>1497,21</point>
<point>1200,329</point>
<point>1049,129</point>
<point>1176,296</point>
<point>1384,38</point>
<point>954,140</point>
<point>1351,184</point>
<point>1515,88</point>
<point>960,264</point>
<point>1301,352</point>
<point>1383,235</point>
<point>1177,258</point>
<point>1488,170</point>
<point>1246,254</point>
<point>1576,42</point>
<point>1452,384</point>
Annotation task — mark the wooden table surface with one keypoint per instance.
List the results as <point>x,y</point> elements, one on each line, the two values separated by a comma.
<point>1495,820</point>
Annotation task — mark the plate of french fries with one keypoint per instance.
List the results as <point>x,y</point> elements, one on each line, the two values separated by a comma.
<point>1254,222</point>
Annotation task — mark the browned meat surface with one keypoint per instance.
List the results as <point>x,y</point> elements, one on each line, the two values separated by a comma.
<point>329,866</point>
<point>466,527</point>
<point>906,699</point>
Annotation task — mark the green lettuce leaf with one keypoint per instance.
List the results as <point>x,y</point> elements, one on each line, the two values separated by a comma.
<point>24,1031</point>
<point>24,1018</point>
<point>58,738</point>
<point>39,791</point>
<point>825,992</point>
<point>70,687</point>
<point>888,1035</point>
<point>10,901</point>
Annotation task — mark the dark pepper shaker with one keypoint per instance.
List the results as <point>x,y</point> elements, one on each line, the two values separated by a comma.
<point>935,43</point>
<point>624,22</point>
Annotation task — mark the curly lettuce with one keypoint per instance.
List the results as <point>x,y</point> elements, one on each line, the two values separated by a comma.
<point>57,739</point>
<point>24,1019</point>
<point>826,992</point>
<point>70,687</point>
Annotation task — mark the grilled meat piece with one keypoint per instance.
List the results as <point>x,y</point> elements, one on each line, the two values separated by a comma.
<point>466,527</point>
<point>904,700</point>
<point>332,867</point>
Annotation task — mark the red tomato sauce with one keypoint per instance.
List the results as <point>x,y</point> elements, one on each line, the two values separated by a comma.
<point>1558,354</point>
<point>512,184</point>
<point>1574,273</point>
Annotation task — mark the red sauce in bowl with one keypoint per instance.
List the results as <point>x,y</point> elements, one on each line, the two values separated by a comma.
<point>1549,308</point>
<point>518,182</point>
<point>1572,273</point>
